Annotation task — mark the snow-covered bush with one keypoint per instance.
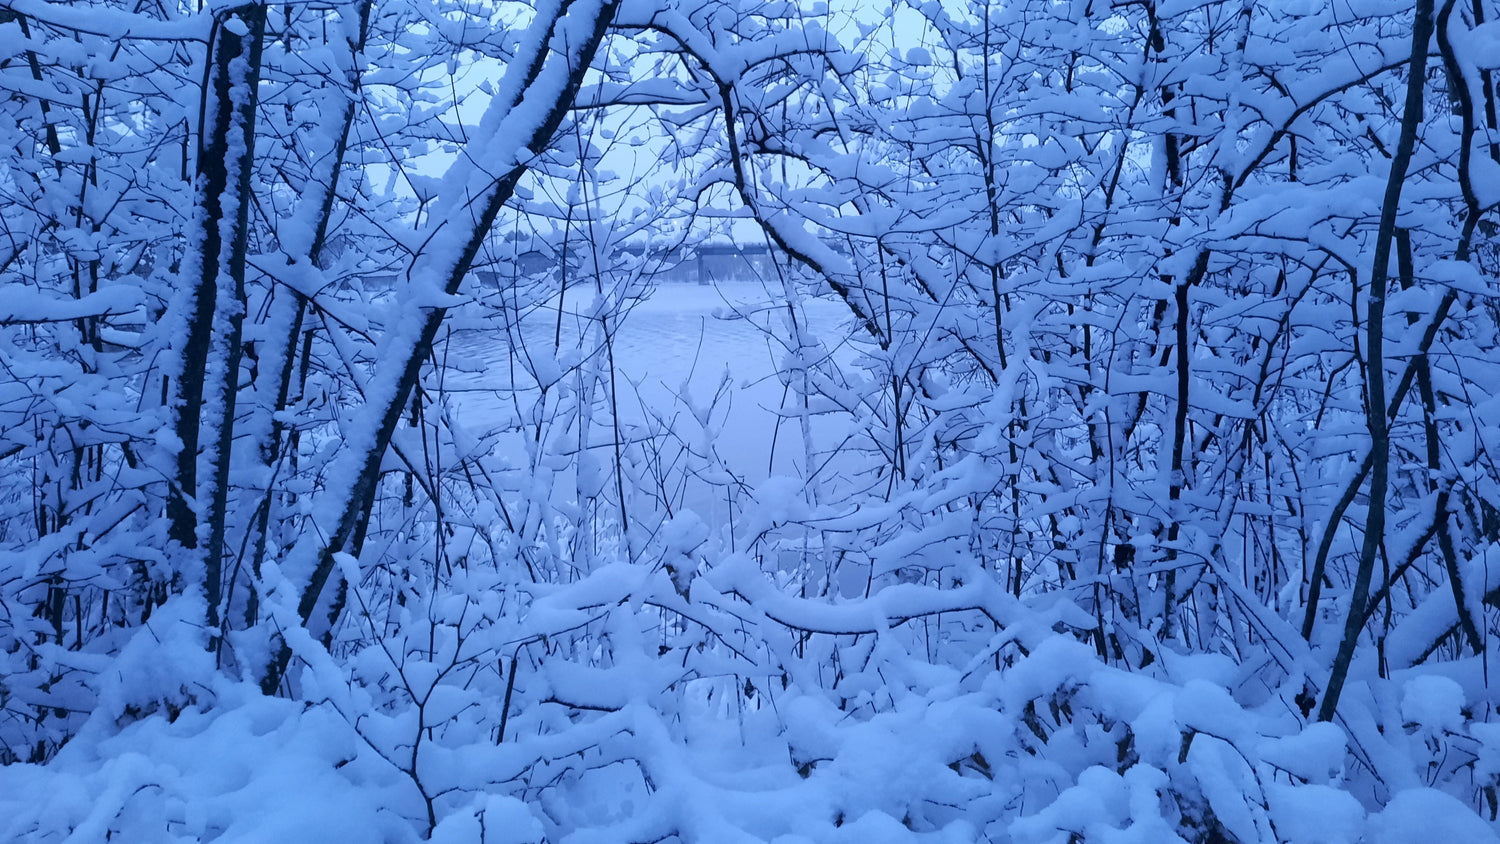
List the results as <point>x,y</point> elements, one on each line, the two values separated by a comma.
<point>1122,372</point>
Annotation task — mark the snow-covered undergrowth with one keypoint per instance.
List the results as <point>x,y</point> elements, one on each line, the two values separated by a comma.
<point>698,694</point>
<point>667,724</point>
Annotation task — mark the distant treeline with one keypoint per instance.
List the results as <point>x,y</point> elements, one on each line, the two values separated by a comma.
<point>707,264</point>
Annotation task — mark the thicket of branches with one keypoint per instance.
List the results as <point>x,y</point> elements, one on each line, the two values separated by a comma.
<point>1164,436</point>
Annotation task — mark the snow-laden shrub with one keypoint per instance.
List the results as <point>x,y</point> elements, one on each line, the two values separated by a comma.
<point>640,715</point>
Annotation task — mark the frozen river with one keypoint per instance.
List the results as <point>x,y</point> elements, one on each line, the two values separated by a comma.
<point>676,345</point>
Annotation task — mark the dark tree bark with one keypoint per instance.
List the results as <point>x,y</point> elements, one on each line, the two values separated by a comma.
<point>1379,423</point>
<point>196,507</point>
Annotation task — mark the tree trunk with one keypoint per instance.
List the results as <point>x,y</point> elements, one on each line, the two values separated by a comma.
<point>209,378</point>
